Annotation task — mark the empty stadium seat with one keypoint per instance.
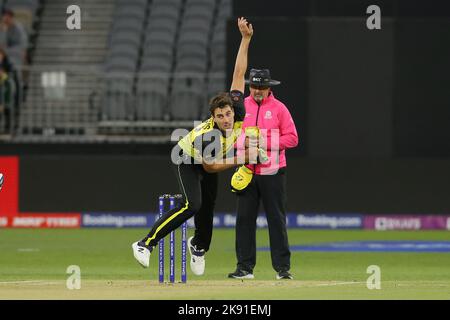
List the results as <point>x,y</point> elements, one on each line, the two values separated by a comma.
<point>123,50</point>
<point>162,24</point>
<point>130,12</point>
<point>176,3</point>
<point>117,102</point>
<point>126,24</point>
<point>156,64</point>
<point>158,50</point>
<point>200,13</point>
<point>138,3</point>
<point>201,3</point>
<point>165,12</point>
<point>160,37</point>
<point>192,65</point>
<point>188,50</point>
<point>151,97</point>
<point>124,37</point>
<point>187,98</point>
<point>225,8</point>
<point>195,26</point>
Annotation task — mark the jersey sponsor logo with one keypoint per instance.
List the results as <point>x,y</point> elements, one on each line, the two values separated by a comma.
<point>268,115</point>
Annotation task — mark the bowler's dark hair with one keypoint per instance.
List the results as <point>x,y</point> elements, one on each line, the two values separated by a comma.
<point>221,100</point>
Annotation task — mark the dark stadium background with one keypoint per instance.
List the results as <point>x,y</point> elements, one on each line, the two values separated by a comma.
<point>372,108</point>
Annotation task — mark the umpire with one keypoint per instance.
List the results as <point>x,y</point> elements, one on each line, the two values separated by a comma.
<point>268,183</point>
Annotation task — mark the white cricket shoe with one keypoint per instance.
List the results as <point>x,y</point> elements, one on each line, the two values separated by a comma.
<point>141,254</point>
<point>197,258</point>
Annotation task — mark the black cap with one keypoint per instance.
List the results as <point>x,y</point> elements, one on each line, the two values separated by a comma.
<point>261,77</point>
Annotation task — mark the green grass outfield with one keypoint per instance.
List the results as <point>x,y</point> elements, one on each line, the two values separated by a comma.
<point>33,265</point>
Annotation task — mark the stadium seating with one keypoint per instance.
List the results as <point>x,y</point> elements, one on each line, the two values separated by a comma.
<point>188,93</point>
<point>118,97</point>
<point>151,96</point>
<point>225,9</point>
<point>152,85</point>
<point>218,58</point>
<point>161,60</point>
<point>123,55</point>
<point>187,98</point>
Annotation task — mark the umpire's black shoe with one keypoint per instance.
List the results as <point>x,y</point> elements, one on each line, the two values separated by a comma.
<point>284,275</point>
<point>241,274</point>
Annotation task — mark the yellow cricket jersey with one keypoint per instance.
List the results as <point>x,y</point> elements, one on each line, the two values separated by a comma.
<point>195,142</point>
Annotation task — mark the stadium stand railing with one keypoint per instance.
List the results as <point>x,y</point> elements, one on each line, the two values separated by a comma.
<point>66,104</point>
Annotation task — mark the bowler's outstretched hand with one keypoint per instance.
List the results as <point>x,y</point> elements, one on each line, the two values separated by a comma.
<point>245,28</point>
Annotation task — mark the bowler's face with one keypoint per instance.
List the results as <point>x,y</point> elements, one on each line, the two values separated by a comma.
<point>224,118</point>
<point>259,93</point>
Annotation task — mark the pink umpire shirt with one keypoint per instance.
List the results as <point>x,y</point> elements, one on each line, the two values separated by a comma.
<point>277,129</point>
